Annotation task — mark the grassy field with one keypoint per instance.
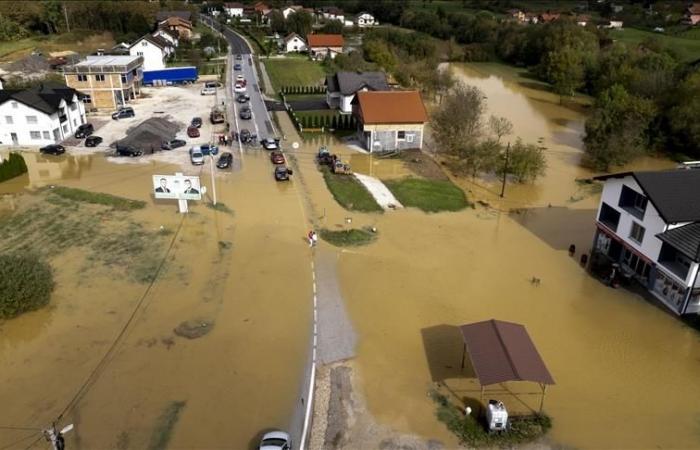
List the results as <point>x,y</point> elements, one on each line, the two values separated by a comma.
<point>688,49</point>
<point>97,198</point>
<point>348,238</point>
<point>349,192</point>
<point>428,195</point>
<point>293,72</point>
<point>83,42</point>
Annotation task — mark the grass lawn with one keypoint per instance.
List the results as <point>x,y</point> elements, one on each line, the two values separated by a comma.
<point>298,97</point>
<point>349,192</point>
<point>687,49</point>
<point>293,72</point>
<point>428,195</point>
<point>348,238</point>
<point>80,41</point>
<point>97,198</point>
<point>318,112</point>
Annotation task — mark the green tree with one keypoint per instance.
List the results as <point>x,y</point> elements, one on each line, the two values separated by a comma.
<point>11,30</point>
<point>377,51</point>
<point>563,68</point>
<point>300,23</point>
<point>52,15</point>
<point>500,126</point>
<point>333,27</point>
<point>617,130</point>
<point>26,284</point>
<point>277,22</point>
<point>526,162</point>
<point>683,117</point>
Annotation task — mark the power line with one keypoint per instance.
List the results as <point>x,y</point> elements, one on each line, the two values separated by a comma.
<point>13,444</point>
<point>103,362</point>
<point>21,428</point>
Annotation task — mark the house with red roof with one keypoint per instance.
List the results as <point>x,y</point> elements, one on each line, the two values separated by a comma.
<point>325,45</point>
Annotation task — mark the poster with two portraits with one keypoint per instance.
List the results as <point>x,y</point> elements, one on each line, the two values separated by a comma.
<point>178,187</point>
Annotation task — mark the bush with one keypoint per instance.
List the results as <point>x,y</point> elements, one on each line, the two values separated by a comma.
<point>12,167</point>
<point>26,283</point>
<point>348,238</point>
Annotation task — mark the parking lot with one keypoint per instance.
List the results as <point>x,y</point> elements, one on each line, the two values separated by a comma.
<point>177,104</point>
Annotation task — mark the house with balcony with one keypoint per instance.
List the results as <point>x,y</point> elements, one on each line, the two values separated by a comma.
<point>390,120</point>
<point>342,87</point>
<point>41,115</point>
<point>108,81</point>
<point>649,224</point>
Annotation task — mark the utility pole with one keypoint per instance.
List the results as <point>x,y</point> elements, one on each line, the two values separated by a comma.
<point>213,184</point>
<point>505,170</point>
<point>65,13</point>
<point>56,437</point>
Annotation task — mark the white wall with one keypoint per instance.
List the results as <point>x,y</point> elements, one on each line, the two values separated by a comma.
<point>167,37</point>
<point>44,123</point>
<point>652,223</point>
<point>236,12</point>
<point>153,55</point>
<point>295,41</point>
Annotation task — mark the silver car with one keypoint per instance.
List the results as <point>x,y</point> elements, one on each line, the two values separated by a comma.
<point>196,156</point>
<point>275,440</point>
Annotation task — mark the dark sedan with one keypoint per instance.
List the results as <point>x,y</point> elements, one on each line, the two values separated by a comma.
<point>196,122</point>
<point>93,141</point>
<point>53,149</point>
<point>282,173</point>
<point>225,160</point>
<point>243,98</point>
<point>245,114</point>
<point>172,144</point>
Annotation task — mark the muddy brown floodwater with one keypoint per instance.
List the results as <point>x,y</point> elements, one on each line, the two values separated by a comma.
<point>246,275</point>
<point>626,371</point>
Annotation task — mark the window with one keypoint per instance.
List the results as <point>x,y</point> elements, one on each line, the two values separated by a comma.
<point>65,128</point>
<point>124,79</point>
<point>87,99</point>
<point>56,134</point>
<point>401,135</point>
<point>14,105</point>
<point>99,77</point>
<point>75,122</point>
<point>637,233</point>
<point>139,53</point>
<point>609,216</point>
<point>8,119</point>
<point>35,134</point>
<point>633,202</point>
<point>46,134</point>
<point>410,137</point>
<point>144,43</point>
<point>31,119</point>
<point>82,77</point>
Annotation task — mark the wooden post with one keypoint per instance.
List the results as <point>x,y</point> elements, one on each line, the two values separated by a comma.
<point>544,391</point>
<point>464,353</point>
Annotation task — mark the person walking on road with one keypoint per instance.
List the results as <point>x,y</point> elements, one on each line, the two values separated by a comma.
<point>313,238</point>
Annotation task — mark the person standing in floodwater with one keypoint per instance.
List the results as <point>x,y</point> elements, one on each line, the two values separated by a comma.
<point>312,238</point>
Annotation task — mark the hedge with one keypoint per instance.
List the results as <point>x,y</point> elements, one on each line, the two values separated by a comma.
<point>26,283</point>
<point>302,90</point>
<point>12,167</point>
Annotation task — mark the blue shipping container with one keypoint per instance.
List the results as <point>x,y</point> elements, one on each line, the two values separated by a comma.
<point>171,75</point>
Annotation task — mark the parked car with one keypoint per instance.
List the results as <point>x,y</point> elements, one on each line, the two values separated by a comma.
<point>192,131</point>
<point>270,144</point>
<point>225,160</point>
<point>212,84</point>
<point>127,150</point>
<point>84,130</point>
<point>243,98</point>
<point>282,173</point>
<point>123,113</point>
<point>93,141</point>
<point>238,88</point>
<point>277,157</point>
<point>208,91</point>
<point>196,156</point>
<point>237,66</point>
<point>207,149</point>
<point>172,144</point>
<point>245,113</point>
<point>239,57</point>
<point>53,149</point>
<point>275,440</point>
<point>196,122</point>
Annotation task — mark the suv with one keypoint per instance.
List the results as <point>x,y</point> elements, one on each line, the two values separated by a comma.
<point>123,113</point>
<point>207,149</point>
<point>282,173</point>
<point>84,130</point>
<point>127,150</point>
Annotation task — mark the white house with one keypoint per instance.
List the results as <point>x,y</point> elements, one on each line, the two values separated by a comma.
<point>153,49</point>
<point>364,19</point>
<point>41,115</point>
<point>291,9</point>
<point>332,13</point>
<point>233,9</point>
<point>614,24</point>
<point>293,43</point>
<point>342,87</point>
<point>649,224</point>
<point>168,35</point>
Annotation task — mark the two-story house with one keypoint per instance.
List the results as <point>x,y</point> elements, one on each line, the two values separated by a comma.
<point>154,50</point>
<point>390,120</point>
<point>341,87</point>
<point>649,224</point>
<point>107,81</point>
<point>41,115</point>
<point>293,43</point>
<point>325,45</point>
<point>182,27</point>
<point>169,35</point>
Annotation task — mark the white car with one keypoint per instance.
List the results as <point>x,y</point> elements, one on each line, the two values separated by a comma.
<point>208,91</point>
<point>238,88</point>
<point>270,144</point>
<point>196,156</point>
<point>240,78</point>
<point>275,440</point>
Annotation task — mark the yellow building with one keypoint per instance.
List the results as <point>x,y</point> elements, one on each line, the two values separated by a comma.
<point>109,81</point>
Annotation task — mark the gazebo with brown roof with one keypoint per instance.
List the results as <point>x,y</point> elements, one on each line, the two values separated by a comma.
<point>503,351</point>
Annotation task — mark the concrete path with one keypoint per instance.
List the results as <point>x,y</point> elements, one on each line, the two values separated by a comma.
<point>379,191</point>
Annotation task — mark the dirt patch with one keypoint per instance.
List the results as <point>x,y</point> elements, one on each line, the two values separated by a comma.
<point>194,329</point>
<point>422,164</point>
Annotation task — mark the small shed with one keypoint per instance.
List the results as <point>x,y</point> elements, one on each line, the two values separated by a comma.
<point>503,351</point>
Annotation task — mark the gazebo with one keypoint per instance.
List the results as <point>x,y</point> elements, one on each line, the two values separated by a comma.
<point>503,351</point>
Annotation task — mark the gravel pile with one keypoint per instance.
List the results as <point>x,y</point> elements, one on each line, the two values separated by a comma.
<point>149,134</point>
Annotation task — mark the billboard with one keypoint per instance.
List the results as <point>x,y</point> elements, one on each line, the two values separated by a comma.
<point>178,187</point>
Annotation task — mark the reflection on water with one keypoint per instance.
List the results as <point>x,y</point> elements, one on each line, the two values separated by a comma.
<point>47,169</point>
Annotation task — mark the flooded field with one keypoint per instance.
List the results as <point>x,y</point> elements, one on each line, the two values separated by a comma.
<point>625,370</point>
<point>238,274</point>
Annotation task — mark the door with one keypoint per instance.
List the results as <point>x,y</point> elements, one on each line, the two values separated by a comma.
<point>15,141</point>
